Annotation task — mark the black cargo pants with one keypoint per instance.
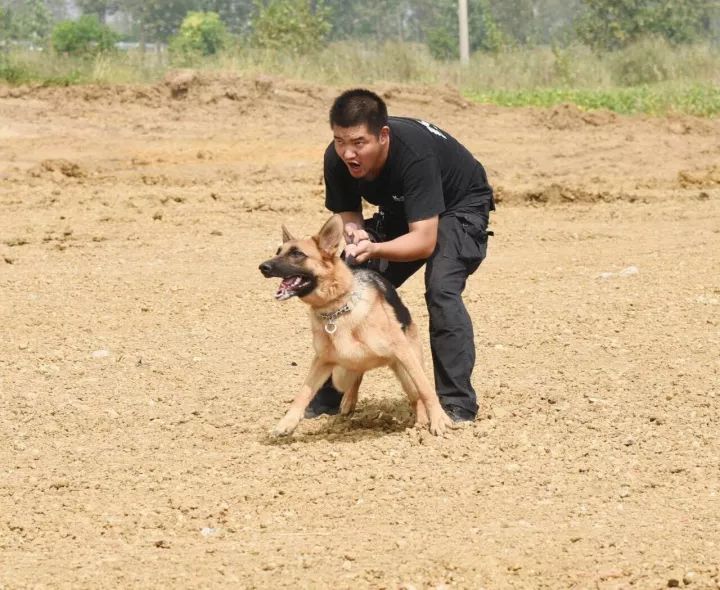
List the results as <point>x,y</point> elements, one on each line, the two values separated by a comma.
<point>461,247</point>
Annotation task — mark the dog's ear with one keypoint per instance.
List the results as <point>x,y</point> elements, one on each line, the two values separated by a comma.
<point>287,236</point>
<point>330,238</point>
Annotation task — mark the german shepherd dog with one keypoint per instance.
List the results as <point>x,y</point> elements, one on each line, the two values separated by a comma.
<point>358,323</point>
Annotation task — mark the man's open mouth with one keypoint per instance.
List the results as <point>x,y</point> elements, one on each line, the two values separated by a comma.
<point>292,286</point>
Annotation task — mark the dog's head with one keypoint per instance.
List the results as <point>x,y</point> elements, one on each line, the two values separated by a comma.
<point>305,265</point>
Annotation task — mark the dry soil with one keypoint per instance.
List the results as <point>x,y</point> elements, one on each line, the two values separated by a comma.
<point>143,359</point>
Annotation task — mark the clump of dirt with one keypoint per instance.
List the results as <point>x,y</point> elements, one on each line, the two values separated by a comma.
<point>180,82</point>
<point>707,177</point>
<point>424,95</point>
<point>264,85</point>
<point>59,166</point>
<point>192,86</point>
<point>569,116</point>
<point>145,95</point>
<point>16,91</point>
<point>599,117</point>
<point>686,125</point>
<point>13,242</point>
<point>557,193</point>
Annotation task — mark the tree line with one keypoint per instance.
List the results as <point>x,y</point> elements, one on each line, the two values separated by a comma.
<point>303,25</point>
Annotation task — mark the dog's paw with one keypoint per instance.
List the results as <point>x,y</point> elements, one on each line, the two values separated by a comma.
<point>285,427</point>
<point>437,429</point>
<point>421,417</point>
<point>347,404</point>
<point>439,422</point>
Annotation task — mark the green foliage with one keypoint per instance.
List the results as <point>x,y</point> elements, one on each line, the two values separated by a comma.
<point>442,37</point>
<point>201,34</point>
<point>5,25</point>
<point>613,24</point>
<point>100,8</point>
<point>492,23</point>
<point>442,43</point>
<point>23,67</point>
<point>534,22</point>
<point>84,37</point>
<point>643,62</point>
<point>156,20</point>
<point>562,68</point>
<point>290,25</point>
<point>234,13</point>
<point>493,38</point>
<point>381,20</point>
<point>11,73</point>
<point>699,100</point>
<point>485,32</point>
<point>27,21</point>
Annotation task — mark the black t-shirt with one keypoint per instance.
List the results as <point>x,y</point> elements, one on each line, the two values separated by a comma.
<point>427,173</point>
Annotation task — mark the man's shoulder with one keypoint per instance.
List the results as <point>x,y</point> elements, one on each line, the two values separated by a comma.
<point>331,160</point>
<point>412,135</point>
<point>334,170</point>
<point>405,127</point>
<point>330,152</point>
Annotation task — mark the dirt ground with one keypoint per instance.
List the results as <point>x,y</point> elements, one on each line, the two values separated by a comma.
<point>143,358</point>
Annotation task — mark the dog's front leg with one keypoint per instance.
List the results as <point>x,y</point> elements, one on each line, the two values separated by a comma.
<point>319,373</point>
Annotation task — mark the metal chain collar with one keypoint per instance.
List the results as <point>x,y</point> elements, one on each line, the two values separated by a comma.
<point>330,317</point>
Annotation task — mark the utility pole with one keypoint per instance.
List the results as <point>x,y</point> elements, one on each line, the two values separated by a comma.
<point>464,36</point>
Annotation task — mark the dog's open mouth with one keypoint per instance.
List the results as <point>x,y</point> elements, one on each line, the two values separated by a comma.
<point>291,286</point>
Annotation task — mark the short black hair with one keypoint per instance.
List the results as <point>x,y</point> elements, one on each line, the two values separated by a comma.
<point>358,106</point>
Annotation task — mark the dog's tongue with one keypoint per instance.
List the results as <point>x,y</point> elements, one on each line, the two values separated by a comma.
<point>285,289</point>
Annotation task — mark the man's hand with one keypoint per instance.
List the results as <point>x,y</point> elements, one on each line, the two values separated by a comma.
<point>363,251</point>
<point>355,234</point>
<point>418,244</point>
<point>359,247</point>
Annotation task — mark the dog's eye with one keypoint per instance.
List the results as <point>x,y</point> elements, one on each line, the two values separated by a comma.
<point>297,254</point>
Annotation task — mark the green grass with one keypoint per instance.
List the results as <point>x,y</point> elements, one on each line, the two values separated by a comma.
<point>658,99</point>
<point>47,69</point>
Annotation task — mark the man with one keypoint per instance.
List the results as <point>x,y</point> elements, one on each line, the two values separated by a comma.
<point>434,201</point>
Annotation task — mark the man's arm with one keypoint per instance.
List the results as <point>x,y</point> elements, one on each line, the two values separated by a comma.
<point>418,244</point>
<point>352,220</point>
<point>353,224</point>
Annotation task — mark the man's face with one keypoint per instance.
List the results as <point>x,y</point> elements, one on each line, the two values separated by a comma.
<point>363,152</point>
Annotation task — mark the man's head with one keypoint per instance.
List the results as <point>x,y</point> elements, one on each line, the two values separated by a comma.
<point>359,121</point>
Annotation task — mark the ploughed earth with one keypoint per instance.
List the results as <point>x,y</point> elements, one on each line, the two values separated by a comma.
<point>144,358</point>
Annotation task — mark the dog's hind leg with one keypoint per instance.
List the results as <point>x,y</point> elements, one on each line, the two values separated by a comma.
<point>348,382</point>
<point>408,385</point>
<point>319,372</point>
<point>438,419</point>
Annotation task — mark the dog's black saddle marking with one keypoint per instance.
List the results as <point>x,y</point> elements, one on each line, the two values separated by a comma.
<point>388,291</point>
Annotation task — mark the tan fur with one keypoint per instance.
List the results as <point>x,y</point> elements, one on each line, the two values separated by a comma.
<point>367,337</point>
